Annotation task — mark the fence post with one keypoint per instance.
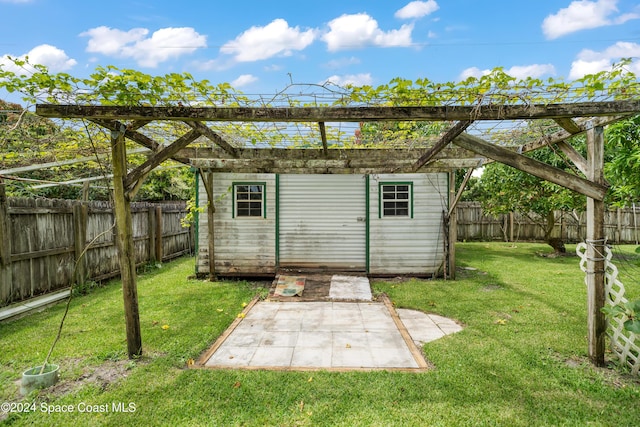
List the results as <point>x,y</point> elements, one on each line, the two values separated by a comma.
<point>80,214</point>
<point>151,231</point>
<point>511,239</point>
<point>159,231</point>
<point>619,225</point>
<point>6,281</point>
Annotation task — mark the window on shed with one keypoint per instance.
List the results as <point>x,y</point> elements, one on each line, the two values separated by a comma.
<point>395,199</point>
<point>249,199</point>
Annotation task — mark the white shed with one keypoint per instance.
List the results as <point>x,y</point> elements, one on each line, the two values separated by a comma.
<point>382,224</point>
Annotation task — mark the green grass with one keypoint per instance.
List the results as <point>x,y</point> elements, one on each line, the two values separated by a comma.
<point>520,361</point>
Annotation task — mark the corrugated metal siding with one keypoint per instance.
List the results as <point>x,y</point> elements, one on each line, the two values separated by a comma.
<point>405,245</point>
<point>242,245</point>
<point>323,221</point>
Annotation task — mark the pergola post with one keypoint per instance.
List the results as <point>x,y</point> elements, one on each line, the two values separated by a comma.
<point>453,225</point>
<point>207,179</point>
<point>126,252</point>
<point>596,323</point>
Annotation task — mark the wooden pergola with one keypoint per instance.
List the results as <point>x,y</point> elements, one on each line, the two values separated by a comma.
<point>453,149</point>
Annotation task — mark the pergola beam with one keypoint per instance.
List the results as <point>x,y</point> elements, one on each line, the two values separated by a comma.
<point>199,153</point>
<point>133,135</point>
<point>213,137</point>
<point>573,155</point>
<point>534,167</point>
<point>323,136</point>
<point>569,125</point>
<point>135,177</point>
<point>329,166</point>
<point>563,135</point>
<point>342,114</point>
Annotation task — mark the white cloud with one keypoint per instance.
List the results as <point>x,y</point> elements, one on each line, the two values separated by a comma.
<point>163,45</point>
<point>517,71</point>
<point>360,30</point>
<point>417,9</point>
<point>582,15</point>
<point>54,59</point>
<point>111,41</point>
<point>276,38</point>
<point>349,79</point>
<point>16,1</point>
<point>590,62</point>
<point>244,80</point>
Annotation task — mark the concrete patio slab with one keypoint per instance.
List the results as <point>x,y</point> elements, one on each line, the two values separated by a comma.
<point>327,335</point>
<point>343,330</point>
<point>350,288</point>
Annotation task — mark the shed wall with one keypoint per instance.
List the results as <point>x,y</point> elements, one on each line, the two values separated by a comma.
<point>243,245</point>
<point>323,222</point>
<point>408,245</point>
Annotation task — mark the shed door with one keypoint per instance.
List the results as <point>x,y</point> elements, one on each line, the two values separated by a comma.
<point>322,221</point>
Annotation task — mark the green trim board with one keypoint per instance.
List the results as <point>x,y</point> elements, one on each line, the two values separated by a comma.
<point>236,184</point>
<point>367,222</point>
<point>396,183</point>
<point>196,218</point>
<point>277,220</point>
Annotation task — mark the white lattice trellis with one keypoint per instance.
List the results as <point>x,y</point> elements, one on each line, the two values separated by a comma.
<point>624,344</point>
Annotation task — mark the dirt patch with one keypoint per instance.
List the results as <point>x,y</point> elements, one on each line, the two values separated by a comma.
<point>611,374</point>
<point>100,376</point>
<point>491,288</point>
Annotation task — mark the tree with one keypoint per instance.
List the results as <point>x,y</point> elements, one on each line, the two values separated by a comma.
<point>622,169</point>
<point>503,189</point>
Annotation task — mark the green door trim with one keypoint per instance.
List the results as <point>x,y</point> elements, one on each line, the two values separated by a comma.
<point>277,239</point>
<point>366,216</point>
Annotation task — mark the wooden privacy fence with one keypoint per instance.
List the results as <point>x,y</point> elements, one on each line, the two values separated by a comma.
<point>41,241</point>
<point>621,225</point>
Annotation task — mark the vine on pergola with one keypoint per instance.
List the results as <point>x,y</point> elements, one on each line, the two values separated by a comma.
<point>126,87</point>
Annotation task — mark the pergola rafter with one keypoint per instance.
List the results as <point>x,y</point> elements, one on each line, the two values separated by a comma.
<point>458,147</point>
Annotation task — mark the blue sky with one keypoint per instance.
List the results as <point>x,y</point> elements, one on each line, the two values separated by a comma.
<point>263,46</point>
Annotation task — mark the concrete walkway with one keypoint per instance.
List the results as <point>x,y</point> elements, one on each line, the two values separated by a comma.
<point>15,311</point>
<point>328,335</point>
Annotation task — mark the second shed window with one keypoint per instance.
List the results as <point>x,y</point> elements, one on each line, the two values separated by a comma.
<point>395,199</point>
<point>249,200</point>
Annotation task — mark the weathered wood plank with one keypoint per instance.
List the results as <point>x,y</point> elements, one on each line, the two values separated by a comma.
<point>340,114</point>
<point>332,154</point>
<point>361,166</point>
<point>6,282</point>
<point>80,216</point>
<point>532,166</point>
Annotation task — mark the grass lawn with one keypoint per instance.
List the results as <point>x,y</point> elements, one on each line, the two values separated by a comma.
<point>520,361</point>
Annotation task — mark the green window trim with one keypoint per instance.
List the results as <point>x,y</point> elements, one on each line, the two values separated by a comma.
<point>398,192</point>
<point>249,194</point>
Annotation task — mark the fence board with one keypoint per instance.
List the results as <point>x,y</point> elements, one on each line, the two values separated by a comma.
<point>47,236</point>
